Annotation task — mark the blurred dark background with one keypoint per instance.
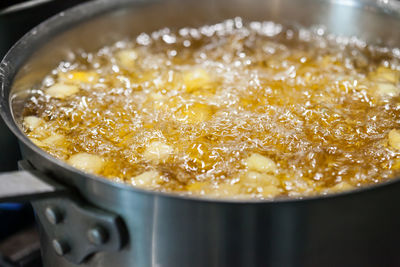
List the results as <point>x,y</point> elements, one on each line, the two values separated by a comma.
<point>19,244</point>
<point>16,18</point>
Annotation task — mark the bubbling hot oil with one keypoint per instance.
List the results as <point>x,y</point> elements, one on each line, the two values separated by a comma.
<point>235,110</point>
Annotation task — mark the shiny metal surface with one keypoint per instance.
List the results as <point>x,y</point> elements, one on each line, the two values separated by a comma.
<point>60,247</point>
<point>53,215</point>
<point>80,230</point>
<point>21,186</point>
<point>350,229</point>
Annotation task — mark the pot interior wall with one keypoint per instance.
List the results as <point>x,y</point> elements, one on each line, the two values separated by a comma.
<point>121,19</point>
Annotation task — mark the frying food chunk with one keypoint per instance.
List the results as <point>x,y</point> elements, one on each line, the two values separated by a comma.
<point>269,191</point>
<point>257,178</point>
<point>126,58</point>
<point>32,122</point>
<point>54,140</point>
<point>196,79</point>
<point>342,186</point>
<point>77,77</point>
<point>394,138</point>
<point>383,74</point>
<point>387,89</point>
<point>87,162</point>
<point>147,179</point>
<point>157,152</point>
<point>257,162</point>
<point>195,113</point>
<point>60,90</point>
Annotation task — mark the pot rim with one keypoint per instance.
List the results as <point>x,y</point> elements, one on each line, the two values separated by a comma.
<point>11,63</point>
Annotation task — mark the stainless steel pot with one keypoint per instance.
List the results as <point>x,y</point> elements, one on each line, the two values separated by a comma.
<point>89,221</point>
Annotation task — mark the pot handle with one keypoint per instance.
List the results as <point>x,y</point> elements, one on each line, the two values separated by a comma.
<point>27,185</point>
<point>77,229</point>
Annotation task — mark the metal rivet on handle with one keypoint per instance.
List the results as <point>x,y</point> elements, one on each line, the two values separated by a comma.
<point>97,235</point>
<point>53,215</point>
<point>61,247</point>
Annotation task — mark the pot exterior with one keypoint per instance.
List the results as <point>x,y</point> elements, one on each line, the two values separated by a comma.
<point>359,229</point>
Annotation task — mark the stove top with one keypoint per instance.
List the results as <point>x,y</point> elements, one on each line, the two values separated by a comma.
<point>21,249</point>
